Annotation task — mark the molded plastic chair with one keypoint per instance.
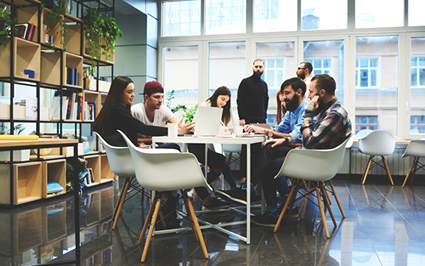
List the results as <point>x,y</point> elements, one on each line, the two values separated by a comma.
<point>323,165</point>
<point>377,143</point>
<point>165,170</point>
<point>416,148</point>
<point>119,159</point>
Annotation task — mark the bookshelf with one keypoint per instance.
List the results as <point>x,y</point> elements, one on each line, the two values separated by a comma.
<point>54,67</point>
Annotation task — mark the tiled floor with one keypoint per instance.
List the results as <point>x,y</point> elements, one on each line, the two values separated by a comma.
<point>384,225</point>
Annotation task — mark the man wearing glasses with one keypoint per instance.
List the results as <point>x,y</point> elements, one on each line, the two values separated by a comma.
<point>303,72</point>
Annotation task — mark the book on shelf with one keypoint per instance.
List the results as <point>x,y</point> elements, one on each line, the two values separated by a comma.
<point>91,111</point>
<point>31,32</point>
<point>25,30</point>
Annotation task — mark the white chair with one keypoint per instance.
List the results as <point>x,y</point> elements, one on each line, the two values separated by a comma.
<point>165,170</point>
<point>119,159</point>
<point>323,165</point>
<point>377,143</point>
<point>416,148</point>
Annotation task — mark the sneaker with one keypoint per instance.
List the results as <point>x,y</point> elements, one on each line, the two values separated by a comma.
<point>215,204</point>
<point>236,195</point>
<point>265,219</point>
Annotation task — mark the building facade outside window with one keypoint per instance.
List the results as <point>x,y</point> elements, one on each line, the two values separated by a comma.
<point>366,122</point>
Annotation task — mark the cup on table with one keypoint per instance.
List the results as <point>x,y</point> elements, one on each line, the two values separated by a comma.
<point>238,130</point>
<point>172,130</point>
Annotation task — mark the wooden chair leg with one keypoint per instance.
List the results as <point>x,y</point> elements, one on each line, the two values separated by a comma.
<point>124,195</point>
<point>307,193</point>
<point>414,170</point>
<point>367,169</point>
<point>319,200</point>
<point>337,199</point>
<point>120,197</point>
<point>327,194</point>
<point>148,219</point>
<point>364,171</point>
<point>284,208</point>
<point>196,225</point>
<point>325,200</point>
<point>190,218</point>
<point>388,171</point>
<point>408,173</point>
<point>151,228</point>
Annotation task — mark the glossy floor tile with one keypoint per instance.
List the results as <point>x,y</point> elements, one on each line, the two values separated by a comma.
<point>384,225</point>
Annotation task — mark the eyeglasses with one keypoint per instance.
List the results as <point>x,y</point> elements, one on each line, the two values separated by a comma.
<point>301,68</point>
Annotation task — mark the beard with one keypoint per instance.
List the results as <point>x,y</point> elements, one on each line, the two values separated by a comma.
<point>292,104</point>
<point>301,75</point>
<point>258,74</point>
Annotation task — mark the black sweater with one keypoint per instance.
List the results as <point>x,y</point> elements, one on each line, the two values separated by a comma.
<point>119,117</point>
<point>253,99</point>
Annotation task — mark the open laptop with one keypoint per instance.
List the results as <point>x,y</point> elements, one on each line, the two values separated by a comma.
<point>208,121</point>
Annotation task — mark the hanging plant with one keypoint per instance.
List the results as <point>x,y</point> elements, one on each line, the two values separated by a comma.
<point>58,8</point>
<point>97,28</point>
<point>6,22</point>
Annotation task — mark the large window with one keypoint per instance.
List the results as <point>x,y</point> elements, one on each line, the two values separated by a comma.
<point>376,95</point>
<point>417,85</point>
<point>181,18</point>
<point>323,14</point>
<point>416,13</point>
<point>366,72</point>
<point>275,15</point>
<point>180,73</point>
<point>379,13</point>
<point>224,16</point>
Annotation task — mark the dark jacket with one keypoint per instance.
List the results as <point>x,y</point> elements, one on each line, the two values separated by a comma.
<point>253,99</point>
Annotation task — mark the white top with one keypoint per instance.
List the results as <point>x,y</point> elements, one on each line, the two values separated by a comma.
<point>307,82</point>
<point>162,114</point>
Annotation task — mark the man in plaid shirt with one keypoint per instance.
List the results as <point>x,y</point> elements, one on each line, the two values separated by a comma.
<point>331,129</point>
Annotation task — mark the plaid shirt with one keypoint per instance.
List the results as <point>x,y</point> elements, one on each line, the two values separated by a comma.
<point>331,129</point>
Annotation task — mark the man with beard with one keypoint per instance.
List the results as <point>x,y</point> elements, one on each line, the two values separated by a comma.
<point>253,97</point>
<point>293,90</point>
<point>330,130</point>
<point>303,72</point>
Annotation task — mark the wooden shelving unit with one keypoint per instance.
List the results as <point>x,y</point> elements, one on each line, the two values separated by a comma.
<point>76,62</point>
<point>93,162</point>
<point>50,67</point>
<point>106,174</point>
<point>54,171</point>
<point>54,27</point>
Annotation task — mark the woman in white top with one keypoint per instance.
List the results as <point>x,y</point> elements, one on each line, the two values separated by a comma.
<point>217,162</point>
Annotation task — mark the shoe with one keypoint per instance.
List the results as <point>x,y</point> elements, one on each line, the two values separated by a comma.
<point>236,195</point>
<point>265,219</point>
<point>215,204</point>
<point>169,211</point>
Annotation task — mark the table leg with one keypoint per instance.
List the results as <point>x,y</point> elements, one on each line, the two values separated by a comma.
<point>248,194</point>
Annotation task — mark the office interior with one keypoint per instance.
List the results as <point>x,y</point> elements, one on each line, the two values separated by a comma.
<point>375,50</point>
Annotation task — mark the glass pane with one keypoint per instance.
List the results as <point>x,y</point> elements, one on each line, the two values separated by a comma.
<point>363,120</point>
<point>226,67</point>
<point>275,15</point>
<point>372,14</point>
<point>283,54</point>
<point>364,62</point>
<point>416,13</point>
<point>417,86</point>
<point>317,14</point>
<point>178,62</point>
<point>331,63</point>
<point>224,17</point>
<point>373,120</point>
<point>374,62</point>
<point>413,61</point>
<point>377,94</point>
<point>181,18</point>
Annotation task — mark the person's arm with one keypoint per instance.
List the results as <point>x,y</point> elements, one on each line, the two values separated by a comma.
<point>173,120</point>
<point>277,135</point>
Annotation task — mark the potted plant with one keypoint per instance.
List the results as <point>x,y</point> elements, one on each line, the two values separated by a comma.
<point>58,8</point>
<point>97,28</point>
<point>6,22</point>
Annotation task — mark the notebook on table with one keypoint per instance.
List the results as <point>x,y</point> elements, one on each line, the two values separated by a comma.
<point>208,121</point>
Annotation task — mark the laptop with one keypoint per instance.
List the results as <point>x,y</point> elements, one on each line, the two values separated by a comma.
<point>208,121</point>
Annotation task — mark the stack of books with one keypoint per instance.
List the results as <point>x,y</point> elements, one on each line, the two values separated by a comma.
<point>25,31</point>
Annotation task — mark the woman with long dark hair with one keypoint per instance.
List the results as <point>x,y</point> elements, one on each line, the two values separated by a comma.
<point>280,106</point>
<point>217,162</point>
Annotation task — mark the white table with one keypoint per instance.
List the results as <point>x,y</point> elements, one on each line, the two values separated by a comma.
<point>248,140</point>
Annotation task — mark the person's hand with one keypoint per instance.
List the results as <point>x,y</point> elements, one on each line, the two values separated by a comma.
<point>313,105</point>
<point>185,128</point>
<point>275,142</point>
<point>242,122</point>
<point>254,129</point>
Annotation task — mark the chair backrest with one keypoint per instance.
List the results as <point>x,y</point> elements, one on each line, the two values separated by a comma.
<point>314,165</point>
<point>378,142</point>
<point>119,159</point>
<point>165,169</point>
<point>415,148</point>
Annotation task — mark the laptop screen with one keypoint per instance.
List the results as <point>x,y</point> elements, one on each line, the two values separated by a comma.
<point>208,121</point>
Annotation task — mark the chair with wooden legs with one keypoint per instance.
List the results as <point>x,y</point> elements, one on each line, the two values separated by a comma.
<point>120,161</point>
<point>416,149</point>
<point>323,166</point>
<point>377,143</point>
<point>167,170</point>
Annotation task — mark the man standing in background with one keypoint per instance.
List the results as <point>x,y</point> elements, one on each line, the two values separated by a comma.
<point>303,72</point>
<point>253,97</point>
